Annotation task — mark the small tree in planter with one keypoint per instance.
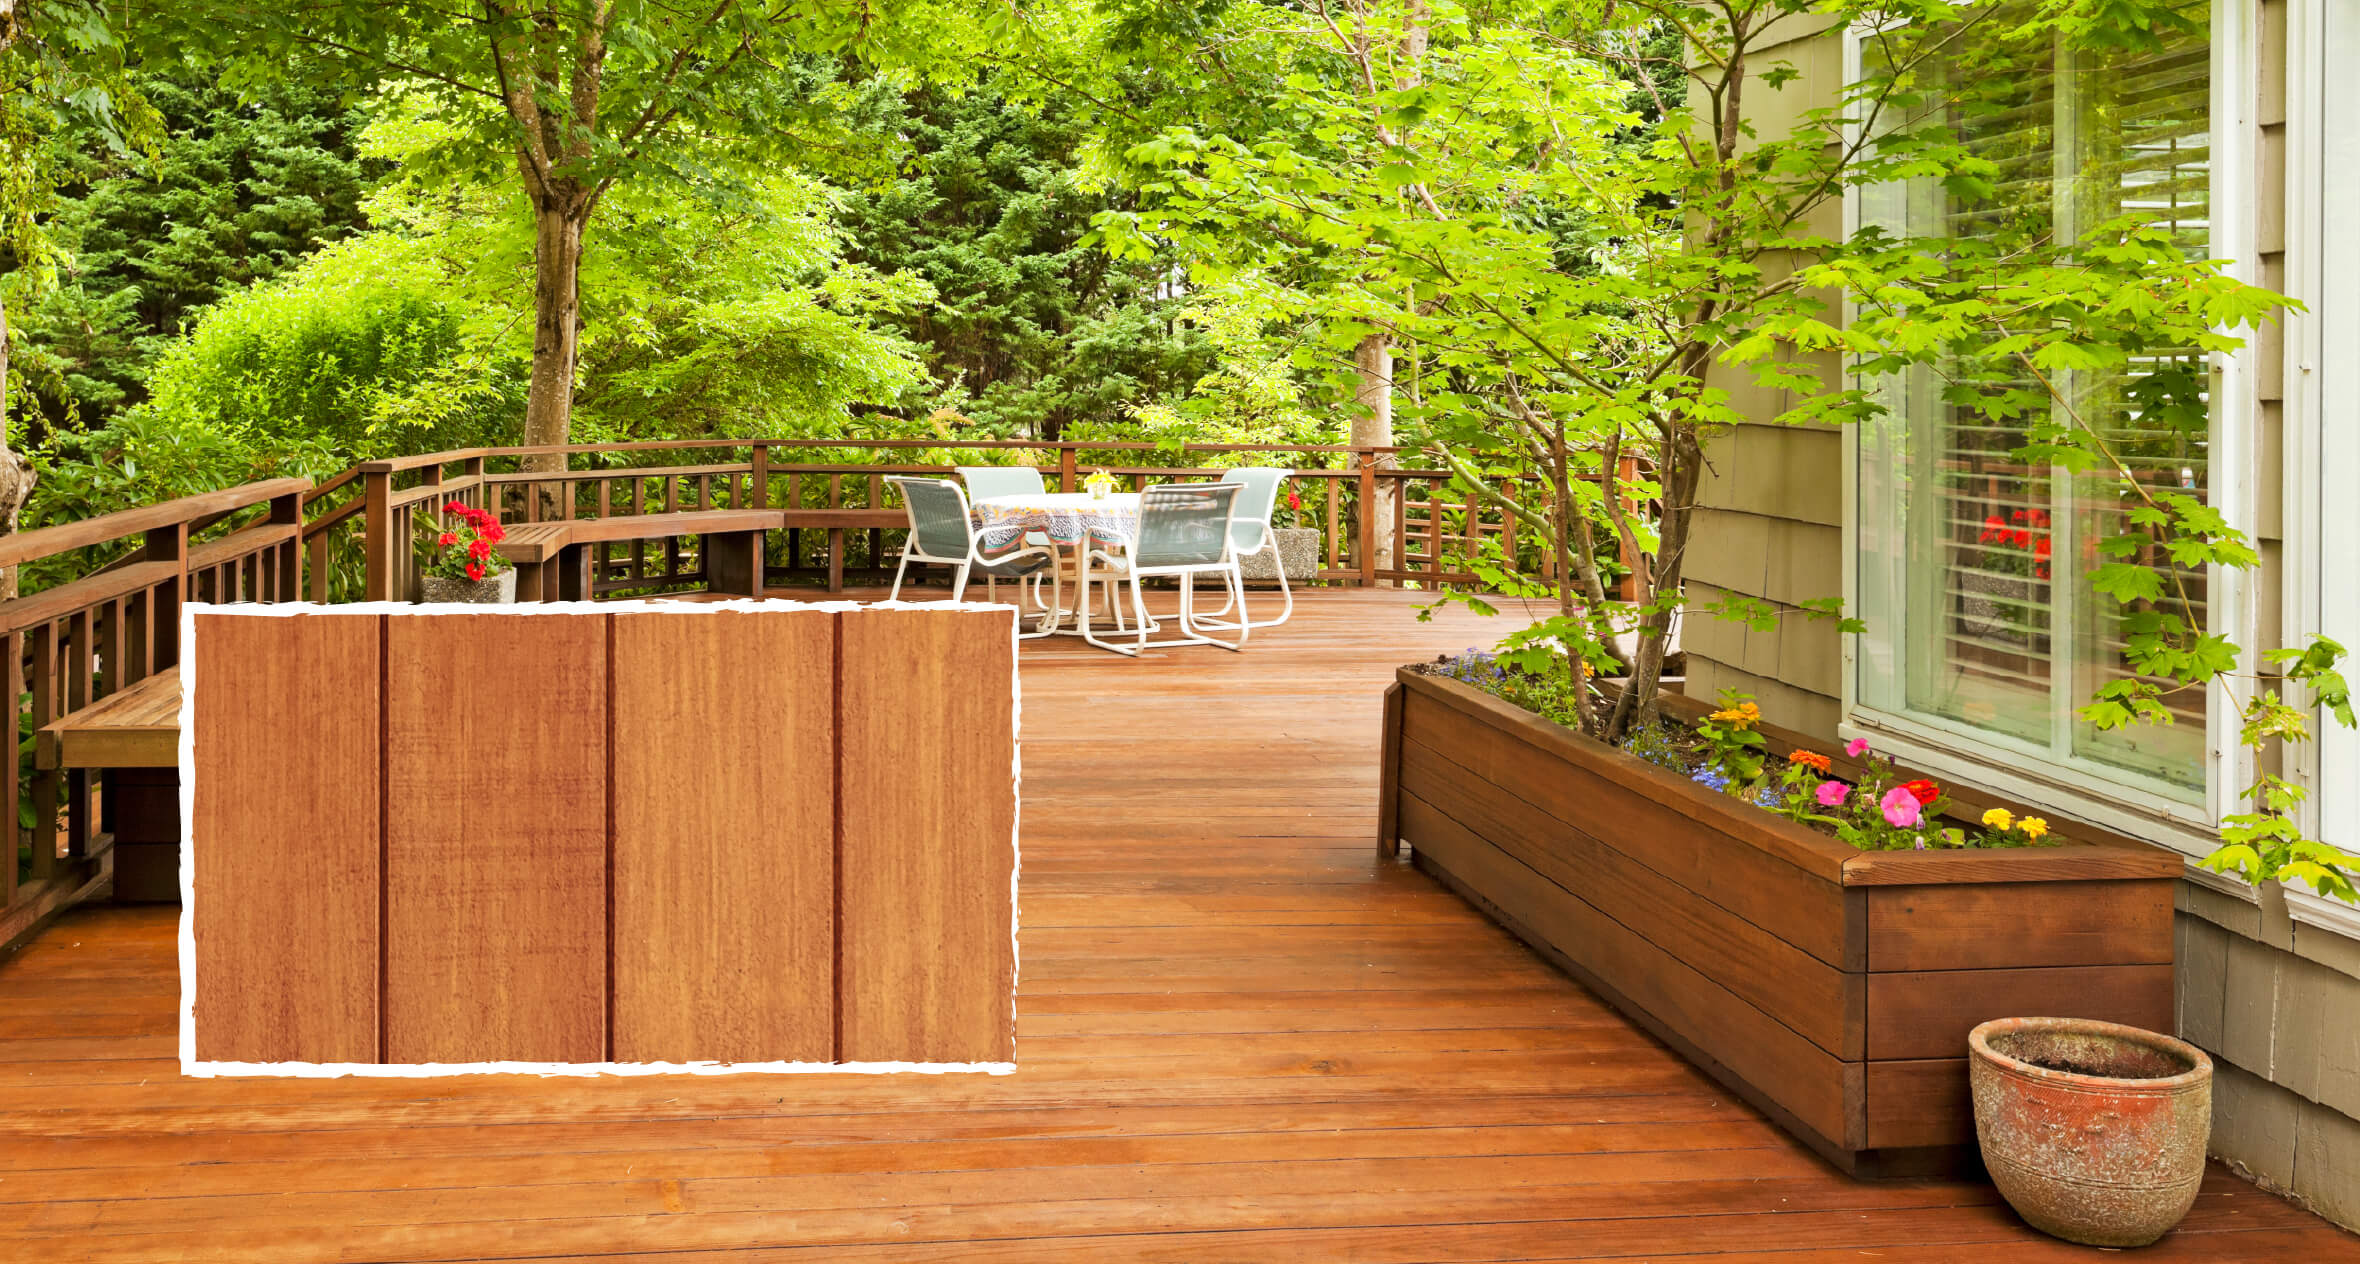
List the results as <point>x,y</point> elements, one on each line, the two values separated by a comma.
<point>462,565</point>
<point>1564,213</point>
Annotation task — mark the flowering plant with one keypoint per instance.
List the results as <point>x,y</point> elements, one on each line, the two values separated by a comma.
<point>463,550</point>
<point>2021,540</point>
<point>1099,484</point>
<point>1732,747</point>
<point>1879,812</point>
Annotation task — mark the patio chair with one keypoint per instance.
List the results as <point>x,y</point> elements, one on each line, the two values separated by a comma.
<point>987,482</point>
<point>1251,532</point>
<point>942,532</point>
<point>1183,533</point>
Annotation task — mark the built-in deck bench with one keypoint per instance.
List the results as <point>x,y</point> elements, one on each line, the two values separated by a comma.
<point>133,734</point>
<point>554,560</point>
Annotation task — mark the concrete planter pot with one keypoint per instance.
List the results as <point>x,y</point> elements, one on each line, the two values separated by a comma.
<point>1298,551</point>
<point>2094,1132</point>
<point>498,590</point>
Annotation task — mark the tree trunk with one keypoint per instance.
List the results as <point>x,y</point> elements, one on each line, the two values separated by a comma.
<point>16,473</point>
<point>1372,426</point>
<point>559,215</point>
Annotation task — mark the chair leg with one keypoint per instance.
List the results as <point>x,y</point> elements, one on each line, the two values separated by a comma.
<point>959,584</point>
<point>1286,591</point>
<point>898,572</point>
<point>1089,632</point>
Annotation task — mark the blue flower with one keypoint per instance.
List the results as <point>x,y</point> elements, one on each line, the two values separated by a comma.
<point>1710,778</point>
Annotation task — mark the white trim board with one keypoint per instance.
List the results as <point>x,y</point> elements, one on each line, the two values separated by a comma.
<point>191,1065</point>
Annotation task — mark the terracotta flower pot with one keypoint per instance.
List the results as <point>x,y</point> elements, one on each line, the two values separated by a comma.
<point>2094,1132</point>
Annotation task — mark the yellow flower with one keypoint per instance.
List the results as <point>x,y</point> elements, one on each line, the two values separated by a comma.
<point>2033,827</point>
<point>1999,819</point>
<point>1742,716</point>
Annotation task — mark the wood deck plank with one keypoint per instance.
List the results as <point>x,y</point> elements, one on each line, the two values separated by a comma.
<point>1240,1037</point>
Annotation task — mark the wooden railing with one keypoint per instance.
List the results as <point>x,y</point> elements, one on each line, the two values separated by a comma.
<point>355,536</point>
<point>76,642</point>
<point>1379,521</point>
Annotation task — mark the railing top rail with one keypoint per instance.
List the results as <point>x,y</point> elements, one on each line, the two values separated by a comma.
<point>392,465</point>
<point>18,549</point>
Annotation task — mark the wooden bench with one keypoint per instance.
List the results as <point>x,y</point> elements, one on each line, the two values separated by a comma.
<point>553,559</point>
<point>134,734</point>
<point>133,727</point>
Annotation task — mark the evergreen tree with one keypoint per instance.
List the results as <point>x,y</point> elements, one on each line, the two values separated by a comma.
<point>1036,329</point>
<point>237,192</point>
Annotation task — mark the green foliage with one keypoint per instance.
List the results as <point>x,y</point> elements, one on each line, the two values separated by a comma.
<point>1037,330</point>
<point>236,192</point>
<point>2266,842</point>
<point>1733,745</point>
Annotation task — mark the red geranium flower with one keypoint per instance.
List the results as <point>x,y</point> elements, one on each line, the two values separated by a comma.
<point>479,548</point>
<point>1922,790</point>
<point>447,539</point>
<point>475,570</point>
<point>1995,529</point>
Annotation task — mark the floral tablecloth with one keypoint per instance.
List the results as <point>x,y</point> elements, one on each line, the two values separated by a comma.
<point>1067,518</point>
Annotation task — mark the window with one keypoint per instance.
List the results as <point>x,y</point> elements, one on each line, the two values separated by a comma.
<point>1970,563</point>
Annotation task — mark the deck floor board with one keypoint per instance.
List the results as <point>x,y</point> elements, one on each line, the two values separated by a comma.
<point>1240,1037</point>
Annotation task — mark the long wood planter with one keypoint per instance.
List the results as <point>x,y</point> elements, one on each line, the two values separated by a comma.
<point>1830,987</point>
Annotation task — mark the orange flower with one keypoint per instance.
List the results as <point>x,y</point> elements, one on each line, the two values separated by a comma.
<point>1811,759</point>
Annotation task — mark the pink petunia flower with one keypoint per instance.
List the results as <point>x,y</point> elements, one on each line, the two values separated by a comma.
<point>1857,747</point>
<point>1832,793</point>
<point>1901,808</point>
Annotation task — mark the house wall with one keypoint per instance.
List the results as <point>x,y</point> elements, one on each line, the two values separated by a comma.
<point>1769,521</point>
<point>2269,997</point>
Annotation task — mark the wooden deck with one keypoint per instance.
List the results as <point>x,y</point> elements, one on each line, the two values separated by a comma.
<point>1241,1039</point>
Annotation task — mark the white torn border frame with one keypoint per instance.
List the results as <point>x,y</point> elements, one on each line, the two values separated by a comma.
<point>190,1065</point>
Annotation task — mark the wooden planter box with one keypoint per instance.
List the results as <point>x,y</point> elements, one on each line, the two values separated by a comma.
<point>1832,988</point>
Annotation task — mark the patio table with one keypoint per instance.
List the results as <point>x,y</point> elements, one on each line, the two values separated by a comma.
<point>1070,519</point>
<point>1073,522</point>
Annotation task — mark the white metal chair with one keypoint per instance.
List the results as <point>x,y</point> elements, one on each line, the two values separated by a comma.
<point>988,482</point>
<point>943,532</point>
<point>1183,533</point>
<point>1251,532</point>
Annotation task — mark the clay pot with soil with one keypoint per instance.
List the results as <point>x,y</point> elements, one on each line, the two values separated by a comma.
<point>2094,1132</point>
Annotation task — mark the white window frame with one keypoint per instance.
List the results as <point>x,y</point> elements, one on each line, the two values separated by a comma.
<point>2323,387</point>
<point>2032,775</point>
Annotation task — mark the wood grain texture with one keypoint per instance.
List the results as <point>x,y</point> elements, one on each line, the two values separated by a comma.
<point>928,836</point>
<point>1928,1014</point>
<point>1243,1040</point>
<point>496,839</point>
<point>2015,924</point>
<point>1678,1000</point>
<point>1819,1001</point>
<point>285,910</point>
<point>724,832</point>
<point>1919,1102</point>
<point>137,726</point>
<point>1794,903</point>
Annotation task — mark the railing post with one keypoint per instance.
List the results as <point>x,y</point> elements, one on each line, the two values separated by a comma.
<point>167,544</point>
<point>485,498</point>
<point>1368,518</point>
<point>1066,474</point>
<point>377,543</point>
<point>287,510</point>
<point>760,477</point>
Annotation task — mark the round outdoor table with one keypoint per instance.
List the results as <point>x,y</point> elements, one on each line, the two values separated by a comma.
<point>1069,519</point>
<point>1073,522</point>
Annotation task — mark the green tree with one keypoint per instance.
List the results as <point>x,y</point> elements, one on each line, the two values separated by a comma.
<point>576,96</point>
<point>238,191</point>
<point>1037,329</point>
<point>59,59</point>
